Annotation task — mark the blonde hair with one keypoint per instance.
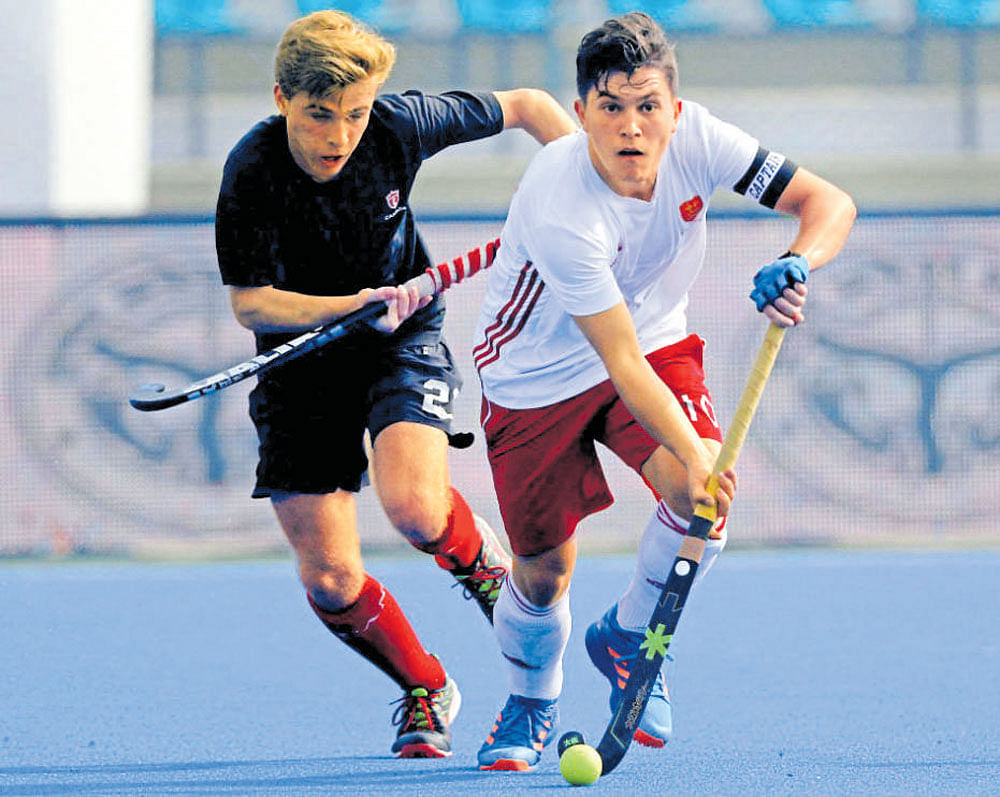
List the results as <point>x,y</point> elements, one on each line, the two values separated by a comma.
<point>327,51</point>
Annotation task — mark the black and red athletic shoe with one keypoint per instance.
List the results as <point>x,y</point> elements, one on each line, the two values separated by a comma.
<point>424,717</point>
<point>482,580</point>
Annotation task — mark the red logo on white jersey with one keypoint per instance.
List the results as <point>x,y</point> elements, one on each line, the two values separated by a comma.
<point>691,208</point>
<point>392,199</point>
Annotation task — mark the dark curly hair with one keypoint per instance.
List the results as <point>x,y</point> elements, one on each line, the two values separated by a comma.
<point>624,44</point>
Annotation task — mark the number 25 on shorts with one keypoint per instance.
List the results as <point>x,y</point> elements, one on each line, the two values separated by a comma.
<point>438,398</point>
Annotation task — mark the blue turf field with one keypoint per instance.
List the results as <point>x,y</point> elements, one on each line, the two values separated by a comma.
<point>819,672</point>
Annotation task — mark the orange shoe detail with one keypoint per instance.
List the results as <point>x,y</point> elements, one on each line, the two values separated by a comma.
<point>646,740</point>
<point>507,765</point>
<point>422,751</point>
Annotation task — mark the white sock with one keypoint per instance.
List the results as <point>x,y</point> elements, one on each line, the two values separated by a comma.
<point>657,550</point>
<point>533,637</point>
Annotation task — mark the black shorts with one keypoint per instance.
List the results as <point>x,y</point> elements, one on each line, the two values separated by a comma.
<point>311,414</point>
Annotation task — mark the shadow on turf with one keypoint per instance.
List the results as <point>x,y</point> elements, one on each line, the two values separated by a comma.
<point>326,774</point>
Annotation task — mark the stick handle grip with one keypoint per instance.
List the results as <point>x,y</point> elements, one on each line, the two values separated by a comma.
<point>450,272</point>
<point>745,410</point>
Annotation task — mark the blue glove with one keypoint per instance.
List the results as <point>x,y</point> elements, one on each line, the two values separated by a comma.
<point>782,273</point>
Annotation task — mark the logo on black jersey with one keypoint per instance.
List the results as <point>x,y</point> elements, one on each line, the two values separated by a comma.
<point>392,199</point>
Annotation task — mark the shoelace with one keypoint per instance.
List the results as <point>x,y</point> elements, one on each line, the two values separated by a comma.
<point>483,580</point>
<point>416,710</point>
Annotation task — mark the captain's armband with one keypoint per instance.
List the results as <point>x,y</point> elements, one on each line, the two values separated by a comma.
<point>766,178</point>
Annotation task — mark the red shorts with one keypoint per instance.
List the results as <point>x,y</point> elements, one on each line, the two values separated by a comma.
<point>545,467</point>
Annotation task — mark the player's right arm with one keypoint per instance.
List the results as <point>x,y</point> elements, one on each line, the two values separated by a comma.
<point>269,309</point>
<point>536,112</point>
<point>612,334</point>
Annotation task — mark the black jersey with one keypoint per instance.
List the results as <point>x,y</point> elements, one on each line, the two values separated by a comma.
<point>276,226</point>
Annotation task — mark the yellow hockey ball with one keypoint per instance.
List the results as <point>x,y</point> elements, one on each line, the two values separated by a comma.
<point>580,764</point>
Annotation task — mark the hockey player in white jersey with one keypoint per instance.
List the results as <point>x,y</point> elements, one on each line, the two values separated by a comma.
<point>583,338</point>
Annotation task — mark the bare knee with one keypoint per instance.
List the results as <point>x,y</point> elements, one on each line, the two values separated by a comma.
<point>411,478</point>
<point>669,478</point>
<point>332,585</point>
<point>542,592</point>
<point>545,578</point>
<point>680,504</point>
<point>322,531</point>
<point>420,515</point>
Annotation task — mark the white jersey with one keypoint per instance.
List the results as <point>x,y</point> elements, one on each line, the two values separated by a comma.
<point>571,246</point>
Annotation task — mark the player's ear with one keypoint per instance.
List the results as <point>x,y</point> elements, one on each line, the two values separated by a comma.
<point>579,108</point>
<point>280,100</point>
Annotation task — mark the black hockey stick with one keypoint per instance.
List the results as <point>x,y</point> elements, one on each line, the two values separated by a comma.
<point>663,622</point>
<point>434,280</point>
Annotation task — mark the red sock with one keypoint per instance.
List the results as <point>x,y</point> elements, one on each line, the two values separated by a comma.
<point>459,546</point>
<point>376,627</point>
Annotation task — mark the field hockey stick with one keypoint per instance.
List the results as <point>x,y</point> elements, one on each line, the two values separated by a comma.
<point>663,622</point>
<point>434,280</point>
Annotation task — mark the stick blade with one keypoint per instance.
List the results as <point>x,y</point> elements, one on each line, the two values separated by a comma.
<point>611,748</point>
<point>659,634</point>
<point>147,398</point>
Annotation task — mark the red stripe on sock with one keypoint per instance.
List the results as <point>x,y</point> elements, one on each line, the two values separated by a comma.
<point>459,545</point>
<point>667,520</point>
<point>376,627</point>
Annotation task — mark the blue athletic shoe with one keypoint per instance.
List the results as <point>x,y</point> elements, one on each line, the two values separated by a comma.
<point>612,649</point>
<point>524,726</point>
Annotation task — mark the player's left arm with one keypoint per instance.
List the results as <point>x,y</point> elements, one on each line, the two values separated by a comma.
<point>826,214</point>
<point>613,336</point>
<point>536,112</point>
